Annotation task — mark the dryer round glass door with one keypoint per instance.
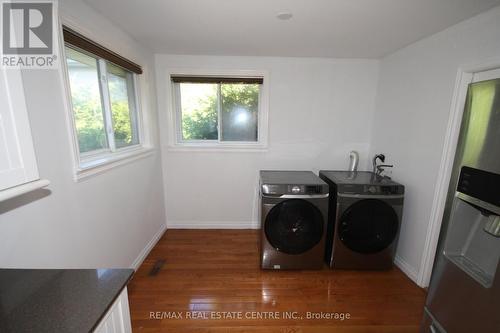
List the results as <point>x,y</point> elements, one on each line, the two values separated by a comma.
<point>368,226</point>
<point>294,226</point>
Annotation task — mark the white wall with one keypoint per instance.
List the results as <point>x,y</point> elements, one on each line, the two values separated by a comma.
<point>413,105</point>
<point>319,110</point>
<point>104,221</point>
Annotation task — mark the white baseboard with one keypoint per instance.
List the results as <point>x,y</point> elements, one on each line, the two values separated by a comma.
<point>145,251</point>
<point>213,224</point>
<point>410,271</point>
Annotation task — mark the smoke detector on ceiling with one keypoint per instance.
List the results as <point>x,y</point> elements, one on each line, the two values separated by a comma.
<point>284,16</point>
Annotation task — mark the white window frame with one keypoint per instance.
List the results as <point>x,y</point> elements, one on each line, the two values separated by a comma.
<point>95,162</point>
<point>175,141</point>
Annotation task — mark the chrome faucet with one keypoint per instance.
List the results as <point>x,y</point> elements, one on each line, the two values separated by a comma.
<point>378,169</point>
<point>381,168</point>
<point>380,157</point>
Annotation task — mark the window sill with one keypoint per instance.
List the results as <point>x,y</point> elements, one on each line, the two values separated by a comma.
<point>98,165</point>
<point>218,147</point>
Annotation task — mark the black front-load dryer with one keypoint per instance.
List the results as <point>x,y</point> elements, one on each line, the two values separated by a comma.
<point>364,219</point>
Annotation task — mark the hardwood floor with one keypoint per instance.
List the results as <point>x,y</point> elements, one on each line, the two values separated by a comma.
<point>215,273</point>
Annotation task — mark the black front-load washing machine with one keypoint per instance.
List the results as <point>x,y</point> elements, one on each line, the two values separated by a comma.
<point>365,212</point>
<point>293,214</point>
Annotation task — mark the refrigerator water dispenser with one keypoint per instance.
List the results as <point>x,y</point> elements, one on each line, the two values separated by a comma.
<point>473,242</point>
<point>469,246</point>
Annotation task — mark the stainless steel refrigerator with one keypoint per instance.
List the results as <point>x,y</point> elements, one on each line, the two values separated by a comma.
<point>464,293</point>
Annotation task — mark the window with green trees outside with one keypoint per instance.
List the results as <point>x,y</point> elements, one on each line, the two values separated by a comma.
<point>104,103</point>
<point>217,109</point>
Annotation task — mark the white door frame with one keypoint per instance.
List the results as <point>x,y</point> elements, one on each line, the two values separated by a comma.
<point>464,77</point>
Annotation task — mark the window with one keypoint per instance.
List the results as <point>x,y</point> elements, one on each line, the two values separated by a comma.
<point>218,111</point>
<point>102,88</point>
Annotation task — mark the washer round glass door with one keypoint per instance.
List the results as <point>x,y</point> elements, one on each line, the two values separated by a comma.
<point>368,226</point>
<point>294,226</point>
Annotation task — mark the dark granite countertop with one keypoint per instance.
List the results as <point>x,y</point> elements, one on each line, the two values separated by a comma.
<point>57,300</point>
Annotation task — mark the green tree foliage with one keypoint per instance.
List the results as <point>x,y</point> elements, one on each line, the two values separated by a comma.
<point>89,120</point>
<point>201,123</point>
<point>239,96</point>
<point>121,123</point>
<point>122,126</point>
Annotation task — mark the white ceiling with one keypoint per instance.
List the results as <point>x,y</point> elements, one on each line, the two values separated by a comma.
<point>318,28</point>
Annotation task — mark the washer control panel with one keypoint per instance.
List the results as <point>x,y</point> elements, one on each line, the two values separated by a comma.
<point>294,189</point>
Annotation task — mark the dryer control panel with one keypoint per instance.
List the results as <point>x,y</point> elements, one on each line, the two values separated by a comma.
<point>382,190</point>
<point>370,189</point>
<point>361,183</point>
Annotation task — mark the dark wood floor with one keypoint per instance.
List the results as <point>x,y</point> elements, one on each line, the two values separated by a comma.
<point>215,272</point>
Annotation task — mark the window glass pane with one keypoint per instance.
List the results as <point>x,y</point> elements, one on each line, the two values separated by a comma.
<point>86,100</point>
<point>240,104</point>
<point>121,95</point>
<point>199,111</point>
